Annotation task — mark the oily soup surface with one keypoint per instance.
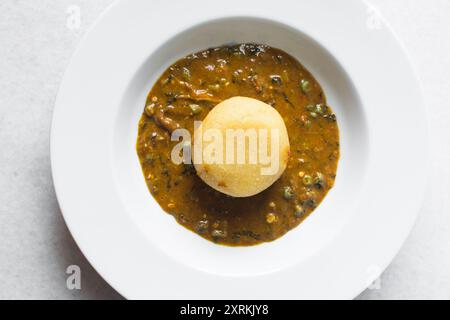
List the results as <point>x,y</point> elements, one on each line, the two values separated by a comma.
<point>188,90</point>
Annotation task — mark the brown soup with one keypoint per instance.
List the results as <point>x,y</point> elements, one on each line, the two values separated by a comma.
<point>188,90</point>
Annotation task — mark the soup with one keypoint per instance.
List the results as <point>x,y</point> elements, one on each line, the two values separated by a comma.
<point>187,91</point>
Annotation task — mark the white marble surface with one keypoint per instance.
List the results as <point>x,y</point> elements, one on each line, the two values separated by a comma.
<point>35,245</point>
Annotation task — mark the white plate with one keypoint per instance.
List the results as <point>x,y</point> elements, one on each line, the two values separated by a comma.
<point>339,250</point>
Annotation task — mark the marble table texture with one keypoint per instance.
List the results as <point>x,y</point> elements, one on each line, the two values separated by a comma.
<point>37,39</point>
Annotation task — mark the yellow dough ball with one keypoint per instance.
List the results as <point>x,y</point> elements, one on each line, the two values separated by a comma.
<point>244,147</point>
